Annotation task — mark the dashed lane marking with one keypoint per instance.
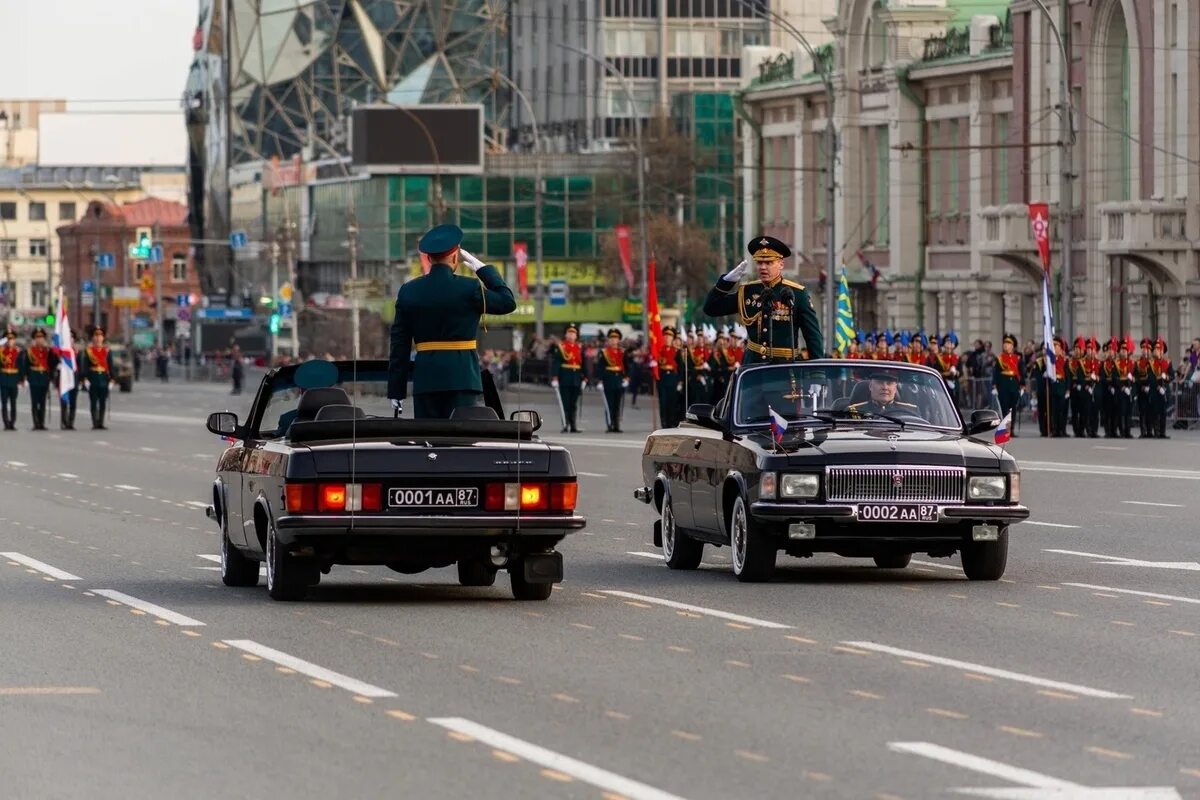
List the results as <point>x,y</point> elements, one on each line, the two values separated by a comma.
<point>1135,593</point>
<point>41,690</point>
<point>68,475</point>
<point>126,487</point>
<point>994,672</point>
<point>317,673</point>
<point>1156,505</point>
<point>591,474</point>
<point>557,762</point>
<point>41,566</point>
<point>149,608</point>
<point>1047,524</point>
<point>709,612</point>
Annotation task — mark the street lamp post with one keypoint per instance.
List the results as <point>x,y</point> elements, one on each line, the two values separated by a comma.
<point>641,168</point>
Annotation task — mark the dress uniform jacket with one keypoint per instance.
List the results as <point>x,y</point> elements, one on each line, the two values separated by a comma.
<point>670,371</point>
<point>12,373</point>
<point>611,363</point>
<point>1008,377</point>
<point>780,319</point>
<point>566,366</point>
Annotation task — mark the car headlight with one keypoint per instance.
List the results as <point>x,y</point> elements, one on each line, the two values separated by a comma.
<point>986,487</point>
<point>766,485</point>
<point>802,486</point>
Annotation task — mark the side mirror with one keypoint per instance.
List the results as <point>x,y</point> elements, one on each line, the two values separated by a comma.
<point>982,421</point>
<point>222,423</point>
<point>702,414</point>
<point>532,417</point>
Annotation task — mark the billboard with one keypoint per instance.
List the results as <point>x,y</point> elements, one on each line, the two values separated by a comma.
<point>418,139</point>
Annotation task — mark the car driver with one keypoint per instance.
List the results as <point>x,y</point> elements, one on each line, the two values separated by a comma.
<point>883,400</point>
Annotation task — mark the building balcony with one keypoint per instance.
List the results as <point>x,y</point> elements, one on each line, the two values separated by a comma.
<point>1143,228</point>
<point>1007,231</point>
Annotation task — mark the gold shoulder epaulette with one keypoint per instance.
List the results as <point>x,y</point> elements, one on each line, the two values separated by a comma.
<point>792,284</point>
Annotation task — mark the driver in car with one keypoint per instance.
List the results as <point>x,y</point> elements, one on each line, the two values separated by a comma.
<point>883,400</point>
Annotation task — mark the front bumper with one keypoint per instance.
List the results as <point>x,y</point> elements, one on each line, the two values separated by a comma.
<point>299,527</point>
<point>770,511</point>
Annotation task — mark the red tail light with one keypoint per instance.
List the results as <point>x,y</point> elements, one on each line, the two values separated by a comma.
<point>372,497</point>
<point>331,497</point>
<point>300,498</point>
<point>564,495</point>
<point>557,496</point>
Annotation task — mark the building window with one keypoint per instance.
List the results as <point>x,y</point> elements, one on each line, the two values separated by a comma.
<point>140,267</point>
<point>40,298</point>
<point>8,210</point>
<point>8,248</point>
<point>66,211</point>
<point>1173,28</point>
<point>1077,41</point>
<point>37,212</point>
<point>179,268</point>
<point>37,248</point>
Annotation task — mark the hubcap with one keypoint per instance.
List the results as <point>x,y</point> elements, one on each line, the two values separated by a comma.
<point>739,537</point>
<point>668,530</point>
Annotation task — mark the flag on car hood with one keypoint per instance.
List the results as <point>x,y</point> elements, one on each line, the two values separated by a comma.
<point>778,425</point>
<point>1004,431</point>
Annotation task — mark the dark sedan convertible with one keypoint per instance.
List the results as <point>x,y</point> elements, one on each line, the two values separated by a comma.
<point>859,458</point>
<point>321,473</point>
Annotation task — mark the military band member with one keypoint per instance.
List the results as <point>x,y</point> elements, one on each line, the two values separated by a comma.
<point>96,369</point>
<point>1077,380</point>
<point>614,380</point>
<point>882,386</point>
<point>778,313</point>
<point>1124,398</point>
<point>12,375</point>
<point>670,369</point>
<point>1053,395</point>
<point>437,315</point>
<point>566,376</point>
<point>1008,378</point>
<point>1164,373</point>
<point>1144,382</point>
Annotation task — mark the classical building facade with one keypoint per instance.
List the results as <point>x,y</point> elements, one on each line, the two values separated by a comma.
<point>949,122</point>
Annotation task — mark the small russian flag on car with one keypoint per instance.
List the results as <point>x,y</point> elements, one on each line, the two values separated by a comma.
<point>1003,433</point>
<point>778,425</point>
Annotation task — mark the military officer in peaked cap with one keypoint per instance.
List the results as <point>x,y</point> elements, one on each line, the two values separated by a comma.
<point>437,315</point>
<point>566,376</point>
<point>778,313</point>
<point>883,387</point>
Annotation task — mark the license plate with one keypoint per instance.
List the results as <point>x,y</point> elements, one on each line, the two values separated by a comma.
<point>433,498</point>
<point>887,512</point>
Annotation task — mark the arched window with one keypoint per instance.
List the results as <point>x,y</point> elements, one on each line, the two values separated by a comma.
<point>875,40</point>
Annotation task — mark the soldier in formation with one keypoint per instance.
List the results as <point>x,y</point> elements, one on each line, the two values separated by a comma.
<point>669,363</point>
<point>613,380</point>
<point>96,369</point>
<point>566,377</point>
<point>12,376</point>
<point>41,365</point>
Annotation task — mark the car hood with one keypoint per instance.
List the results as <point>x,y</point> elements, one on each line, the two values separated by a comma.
<point>885,445</point>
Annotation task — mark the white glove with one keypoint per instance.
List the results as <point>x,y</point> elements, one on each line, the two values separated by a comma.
<point>653,364</point>
<point>397,407</point>
<point>625,383</point>
<point>1162,390</point>
<point>995,391</point>
<point>554,383</point>
<point>474,263</point>
<point>734,275</point>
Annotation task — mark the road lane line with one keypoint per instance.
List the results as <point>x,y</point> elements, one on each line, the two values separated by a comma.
<point>41,566</point>
<point>1047,524</point>
<point>994,672</point>
<point>69,475</point>
<point>127,487</point>
<point>591,474</point>
<point>1110,471</point>
<point>643,554</point>
<point>310,669</point>
<point>197,504</point>
<point>1156,505</point>
<point>600,778</point>
<point>17,464</point>
<point>149,608</point>
<point>711,612</point>
<point>984,766</point>
<point>954,567</point>
<point>40,690</point>
<point>1155,595</point>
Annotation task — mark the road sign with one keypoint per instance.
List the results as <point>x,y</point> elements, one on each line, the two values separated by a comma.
<point>238,240</point>
<point>156,254</point>
<point>285,309</point>
<point>183,300</point>
<point>225,313</point>
<point>106,261</point>
<point>87,298</point>
<point>147,281</point>
<point>88,286</point>
<point>126,296</point>
<point>558,292</point>
<point>285,293</point>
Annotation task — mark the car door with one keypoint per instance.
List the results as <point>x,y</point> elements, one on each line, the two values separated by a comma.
<point>673,458</point>
<point>229,474</point>
<point>708,476</point>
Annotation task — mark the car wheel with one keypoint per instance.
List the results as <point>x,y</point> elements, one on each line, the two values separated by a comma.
<point>893,560</point>
<point>523,589</point>
<point>985,561</point>
<point>680,551</point>
<point>753,553</point>
<point>236,569</point>
<point>287,578</point>
<point>474,572</point>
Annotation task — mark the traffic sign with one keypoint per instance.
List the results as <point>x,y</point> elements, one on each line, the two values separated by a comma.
<point>147,280</point>
<point>285,293</point>
<point>88,286</point>
<point>87,298</point>
<point>238,240</point>
<point>156,254</point>
<point>182,300</point>
<point>225,313</point>
<point>285,309</point>
<point>106,261</point>
<point>558,292</point>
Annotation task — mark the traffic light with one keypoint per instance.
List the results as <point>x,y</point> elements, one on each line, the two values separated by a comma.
<point>49,319</point>
<point>141,249</point>
<point>274,324</point>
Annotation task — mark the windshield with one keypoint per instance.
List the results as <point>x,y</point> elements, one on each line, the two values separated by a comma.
<point>369,393</point>
<point>855,392</point>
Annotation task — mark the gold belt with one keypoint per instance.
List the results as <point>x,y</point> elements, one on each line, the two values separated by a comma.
<point>433,347</point>
<point>614,369</point>
<point>10,371</point>
<point>771,352</point>
<point>570,366</point>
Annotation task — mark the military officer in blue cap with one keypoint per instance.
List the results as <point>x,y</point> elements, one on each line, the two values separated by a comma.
<point>437,315</point>
<point>775,310</point>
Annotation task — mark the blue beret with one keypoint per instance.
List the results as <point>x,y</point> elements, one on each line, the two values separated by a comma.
<point>441,239</point>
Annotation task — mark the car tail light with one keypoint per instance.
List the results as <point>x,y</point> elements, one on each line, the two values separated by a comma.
<point>349,496</point>
<point>331,497</point>
<point>372,497</point>
<point>563,495</point>
<point>300,498</point>
<point>557,496</point>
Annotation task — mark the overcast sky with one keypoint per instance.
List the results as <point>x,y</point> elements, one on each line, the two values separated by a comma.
<point>97,50</point>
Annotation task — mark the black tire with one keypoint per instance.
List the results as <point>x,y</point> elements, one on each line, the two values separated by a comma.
<point>475,572</point>
<point>288,577</point>
<point>753,553</point>
<point>236,568</point>
<point>523,590</point>
<point>985,561</point>
<point>680,551</point>
<point>893,560</point>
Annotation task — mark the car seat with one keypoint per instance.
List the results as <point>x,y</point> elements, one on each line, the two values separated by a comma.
<point>313,400</point>
<point>474,412</point>
<point>339,411</point>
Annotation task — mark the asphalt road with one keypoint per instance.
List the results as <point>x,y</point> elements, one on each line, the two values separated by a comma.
<point>128,670</point>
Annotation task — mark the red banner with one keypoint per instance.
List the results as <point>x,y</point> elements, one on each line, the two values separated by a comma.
<point>521,256</point>
<point>1039,218</point>
<point>625,250</point>
<point>652,315</point>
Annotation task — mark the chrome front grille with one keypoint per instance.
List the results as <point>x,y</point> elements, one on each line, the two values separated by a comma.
<point>899,484</point>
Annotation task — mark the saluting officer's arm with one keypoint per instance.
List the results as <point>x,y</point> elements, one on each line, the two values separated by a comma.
<point>497,297</point>
<point>809,325</point>
<point>722,299</point>
<point>398,358</point>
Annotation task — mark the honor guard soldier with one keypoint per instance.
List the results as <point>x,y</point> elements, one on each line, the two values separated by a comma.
<point>566,377</point>
<point>1164,374</point>
<point>97,372</point>
<point>12,375</point>
<point>66,400</point>
<point>1008,377</point>
<point>1053,394</point>
<point>613,379</point>
<point>1091,366</point>
<point>722,364</point>
<point>670,367</point>
<point>699,370</point>
<point>1077,381</point>
<point>40,367</point>
<point>438,315</point>
<point>778,313</point>
<point>946,362</point>
<point>1107,388</point>
<point>1143,378</point>
<point>882,385</point>
<point>1123,405</point>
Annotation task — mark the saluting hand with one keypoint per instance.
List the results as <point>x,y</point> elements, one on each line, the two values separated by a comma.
<point>737,272</point>
<point>474,263</point>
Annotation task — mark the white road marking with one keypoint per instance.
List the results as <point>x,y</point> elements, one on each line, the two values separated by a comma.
<point>310,669</point>
<point>127,487</point>
<point>1121,561</point>
<point>197,504</point>
<point>67,475</point>
<point>710,612</point>
<point>1047,524</point>
<point>1156,505</point>
<point>149,608</point>
<point>1018,677</point>
<point>40,566</point>
<point>209,557</point>
<point>1154,595</point>
<point>17,464</point>
<point>600,778</point>
<point>148,449</point>
<point>592,474</point>
<point>1108,447</point>
<point>643,554</point>
<point>1083,470</point>
<point>954,567</point>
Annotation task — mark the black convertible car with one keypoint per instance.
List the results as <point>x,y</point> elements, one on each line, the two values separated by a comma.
<point>859,458</point>
<point>321,473</point>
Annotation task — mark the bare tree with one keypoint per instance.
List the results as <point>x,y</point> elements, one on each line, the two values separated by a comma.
<point>685,256</point>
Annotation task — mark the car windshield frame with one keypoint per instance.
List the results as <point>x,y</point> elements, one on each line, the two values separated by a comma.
<point>283,379</point>
<point>806,418</point>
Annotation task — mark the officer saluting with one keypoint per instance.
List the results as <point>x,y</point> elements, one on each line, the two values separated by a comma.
<point>438,315</point>
<point>774,310</point>
<point>566,376</point>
